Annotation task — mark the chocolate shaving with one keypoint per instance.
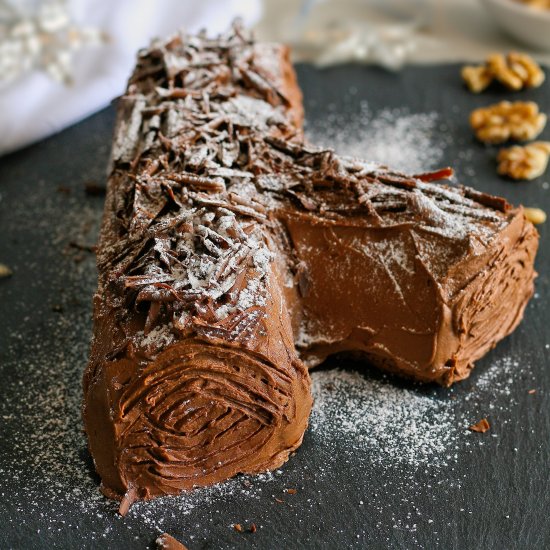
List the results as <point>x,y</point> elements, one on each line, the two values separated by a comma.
<point>94,189</point>
<point>303,200</point>
<point>128,499</point>
<point>436,175</point>
<point>498,203</point>
<point>269,92</point>
<point>203,183</point>
<point>397,181</point>
<point>84,247</point>
<point>64,189</point>
<point>168,542</point>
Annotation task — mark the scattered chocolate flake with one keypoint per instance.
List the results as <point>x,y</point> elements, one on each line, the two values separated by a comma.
<point>84,247</point>
<point>291,491</point>
<point>5,271</point>
<point>480,427</point>
<point>94,189</point>
<point>128,499</point>
<point>238,527</point>
<point>64,189</point>
<point>168,542</point>
<point>252,528</point>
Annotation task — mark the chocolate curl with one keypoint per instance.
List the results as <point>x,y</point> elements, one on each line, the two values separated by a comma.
<point>128,499</point>
<point>436,175</point>
<point>167,542</point>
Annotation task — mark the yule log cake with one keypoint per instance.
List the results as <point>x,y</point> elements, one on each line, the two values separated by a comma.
<point>233,255</point>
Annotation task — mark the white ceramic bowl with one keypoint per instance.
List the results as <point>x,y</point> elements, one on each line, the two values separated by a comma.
<point>530,26</point>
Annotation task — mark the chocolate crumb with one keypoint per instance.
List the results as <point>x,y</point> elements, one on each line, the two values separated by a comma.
<point>252,528</point>
<point>64,189</point>
<point>291,491</point>
<point>84,247</point>
<point>480,427</point>
<point>94,189</point>
<point>238,527</point>
<point>127,500</point>
<point>531,392</point>
<point>5,271</point>
<point>168,542</point>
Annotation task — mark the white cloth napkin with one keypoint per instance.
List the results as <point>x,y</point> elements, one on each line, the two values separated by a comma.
<point>34,105</point>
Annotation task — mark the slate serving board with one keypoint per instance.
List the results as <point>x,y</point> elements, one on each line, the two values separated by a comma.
<point>494,496</point>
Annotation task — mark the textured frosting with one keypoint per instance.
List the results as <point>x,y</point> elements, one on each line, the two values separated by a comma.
<point>232,254</point>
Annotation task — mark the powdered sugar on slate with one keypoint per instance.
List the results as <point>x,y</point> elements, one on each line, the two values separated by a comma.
<point>394,137</point>
<point>389,423</point>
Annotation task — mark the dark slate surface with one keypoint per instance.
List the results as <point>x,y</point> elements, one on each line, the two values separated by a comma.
<point>494,496</point>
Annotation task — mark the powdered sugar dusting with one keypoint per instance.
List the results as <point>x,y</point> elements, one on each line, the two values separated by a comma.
<point>389,423</point>
<point>159,336</point>
<point>397,138</point>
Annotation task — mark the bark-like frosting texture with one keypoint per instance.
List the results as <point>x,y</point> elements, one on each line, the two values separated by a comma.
<point>231,252</point>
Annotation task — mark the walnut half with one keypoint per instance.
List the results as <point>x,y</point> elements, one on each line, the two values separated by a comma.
<point>520,121</point>
<point>537,4</point>
<point>477,78</point>
<point>524,162</point>
<point>535,215</point>
<point>515,71</point>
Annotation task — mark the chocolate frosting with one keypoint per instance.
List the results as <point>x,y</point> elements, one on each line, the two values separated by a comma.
<point>232,254</point>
